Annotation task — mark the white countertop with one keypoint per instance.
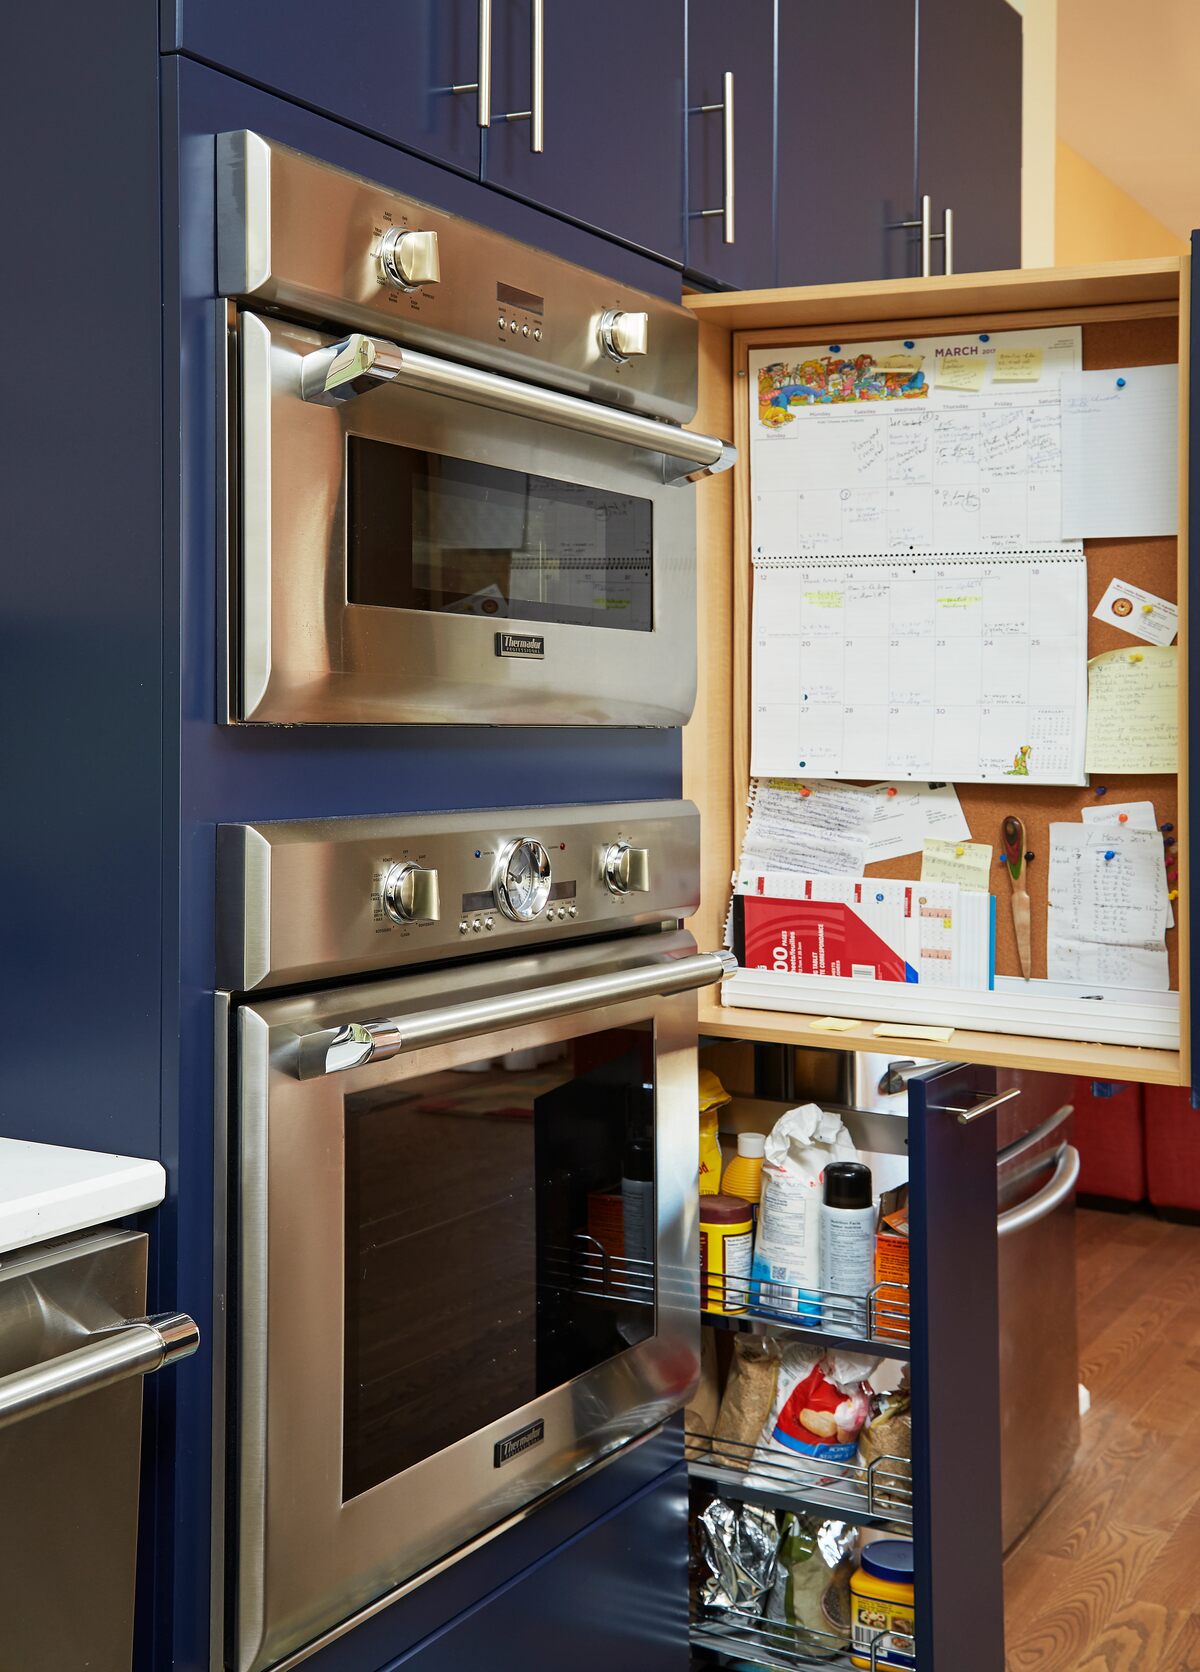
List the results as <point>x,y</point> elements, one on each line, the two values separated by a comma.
<point>47,1191</point>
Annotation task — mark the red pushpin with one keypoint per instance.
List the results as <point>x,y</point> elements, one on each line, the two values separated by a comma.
<point>804,790</point>
<point>1122,818</point>
<point>891,789</point>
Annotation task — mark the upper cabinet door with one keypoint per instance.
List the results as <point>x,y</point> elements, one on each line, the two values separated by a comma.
<point>846,140</point>
<point>731,143</point>
<point>969,130</point>
<point>610,101</point>
<point>388,69</point>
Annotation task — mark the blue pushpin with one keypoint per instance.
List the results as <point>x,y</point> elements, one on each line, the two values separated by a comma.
<point>1166,827</point>
<point>910,345</point>
<point>1110,854</point>
<point>835,348</point>
<point>1120,383</point>
<point>803,763</point>
<point>879,896</point>
<point>984,337</point>
<point>1101,789</point>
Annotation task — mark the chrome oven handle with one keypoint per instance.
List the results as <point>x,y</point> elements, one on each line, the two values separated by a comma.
<point>355,366</point>
<point>333,1050</point>
<point>131,1349</point>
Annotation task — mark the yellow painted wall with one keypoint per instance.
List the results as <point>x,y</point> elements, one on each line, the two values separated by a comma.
<point>1094,220</point>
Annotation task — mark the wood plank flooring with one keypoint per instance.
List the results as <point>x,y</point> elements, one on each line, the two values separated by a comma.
<point>1108,1578</point>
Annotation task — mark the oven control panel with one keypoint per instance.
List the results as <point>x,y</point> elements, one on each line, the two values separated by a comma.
<point>304,901</point>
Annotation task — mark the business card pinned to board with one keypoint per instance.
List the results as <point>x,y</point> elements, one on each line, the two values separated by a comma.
<point>1134,610</point>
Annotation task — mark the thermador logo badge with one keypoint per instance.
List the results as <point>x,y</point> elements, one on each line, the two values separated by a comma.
<point>520,644</point>
<point>513,1445</point>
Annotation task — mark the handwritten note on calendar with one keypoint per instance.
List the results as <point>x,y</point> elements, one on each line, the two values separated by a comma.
<point>971,668</point>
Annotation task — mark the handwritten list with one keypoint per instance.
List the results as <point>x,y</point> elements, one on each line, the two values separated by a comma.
<point>1107,907</point>
<point>1133,711</point>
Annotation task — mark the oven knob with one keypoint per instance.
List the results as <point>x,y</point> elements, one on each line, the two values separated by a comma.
<point>622,335</point>
<point>626,869</point>
<point>411,895</point>
<point>522,881</point>
<point>410,259</point>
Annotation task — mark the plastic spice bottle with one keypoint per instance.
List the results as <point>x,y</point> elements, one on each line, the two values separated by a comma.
<point>743,1176</point>
<point>881,1600</point>
<point>726,1244</point>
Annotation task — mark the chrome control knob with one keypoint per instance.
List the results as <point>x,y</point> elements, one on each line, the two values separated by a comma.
<point>622,335</point>
<point>626,869</point>
<point>411,894</point>
<point>410,259</point>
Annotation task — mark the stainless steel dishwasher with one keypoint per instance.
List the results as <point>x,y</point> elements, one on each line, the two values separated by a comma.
<point>74,1347</point>
<point>1036,1171</point>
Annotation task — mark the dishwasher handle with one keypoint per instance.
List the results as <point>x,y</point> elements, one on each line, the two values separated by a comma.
<point>1049,1197</point>
<point>331,376</point>
<point>131,1349</point>
<point>335,1050</point>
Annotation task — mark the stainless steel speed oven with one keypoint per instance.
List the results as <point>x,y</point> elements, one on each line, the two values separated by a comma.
<point>465,1261</point>
<point>461,486</point>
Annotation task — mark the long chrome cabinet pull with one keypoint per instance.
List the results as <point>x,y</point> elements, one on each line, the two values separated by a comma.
<point>330,376</point>
<point>966,1116</point>
<point>132,1349</point>
<point>537,75</point>
<point>483,87</point>
<point>333,1050</point>
<point>726,211</point>
<point>929,237</point>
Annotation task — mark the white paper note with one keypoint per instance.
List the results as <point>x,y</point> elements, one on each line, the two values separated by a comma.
<point>1120,460</point>
<point>1133,711</point>
<point>1107,906</point>
<point>1138,815</point>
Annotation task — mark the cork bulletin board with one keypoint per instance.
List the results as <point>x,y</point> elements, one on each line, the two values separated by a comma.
<point>1152,564</point>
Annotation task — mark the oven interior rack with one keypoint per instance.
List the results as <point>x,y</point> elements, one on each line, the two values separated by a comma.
<point>876,1324</point>
<point>878,1494</point>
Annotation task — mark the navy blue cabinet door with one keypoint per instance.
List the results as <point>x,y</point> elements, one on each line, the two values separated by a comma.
<point>735,246</point>
<point>955,1369</point>
<point>388,69</point>
<point>613,116</point>
<point>846,139</point>
<point>969,128</point>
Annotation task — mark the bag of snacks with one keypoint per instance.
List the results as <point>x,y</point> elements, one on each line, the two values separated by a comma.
<point>887,1435</point>
<point>821,1402</point>
<point>811,1590</point>
<point>746,1404</point>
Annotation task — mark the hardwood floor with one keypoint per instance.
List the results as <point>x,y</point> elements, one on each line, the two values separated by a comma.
<point>1108,1578</point>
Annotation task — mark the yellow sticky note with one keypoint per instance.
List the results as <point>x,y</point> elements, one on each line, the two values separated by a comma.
<point>832,1024</point>
<point>1017,365</point>
<point>969,864</point>
<point>1133,712</point>
<point>909,363</point>
<point>967,373</point>
<point>904,1030</point>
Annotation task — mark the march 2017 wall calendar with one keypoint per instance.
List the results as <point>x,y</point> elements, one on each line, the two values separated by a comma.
<point>916,612</point>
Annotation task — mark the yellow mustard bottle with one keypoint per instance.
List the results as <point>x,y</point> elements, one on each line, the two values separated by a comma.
<point>743,1176</point>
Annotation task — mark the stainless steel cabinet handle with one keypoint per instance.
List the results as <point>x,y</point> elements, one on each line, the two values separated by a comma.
<point>483,87</point>
<point>1047,1199</point>
<point>351,368</point>
<point>726,210</point>
<point>929,237</point>
<point>537,75</point>
<point>132,1349</point>
<point>333,1050</point>
<point>966,1116</point>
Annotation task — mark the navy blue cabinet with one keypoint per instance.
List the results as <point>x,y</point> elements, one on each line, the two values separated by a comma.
<point>969,128</point>
<point>387,69</point>
<point>847,137</point>
<point>612,110</point>
<point>731,149</point>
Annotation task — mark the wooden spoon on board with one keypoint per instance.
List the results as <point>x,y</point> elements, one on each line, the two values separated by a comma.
<point>1012,836</point>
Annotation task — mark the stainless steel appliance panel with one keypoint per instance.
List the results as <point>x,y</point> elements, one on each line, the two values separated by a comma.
<point>309,1553</point>
<point>310,655</point>
<point>301,897</point>
<point>299,236</point>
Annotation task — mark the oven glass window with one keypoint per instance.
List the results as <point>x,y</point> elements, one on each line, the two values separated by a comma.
<point>426,532</point>
<point>499,1241</point>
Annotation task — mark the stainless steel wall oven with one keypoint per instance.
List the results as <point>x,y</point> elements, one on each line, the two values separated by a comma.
<point>459,482</point>
<point>465,1260</point>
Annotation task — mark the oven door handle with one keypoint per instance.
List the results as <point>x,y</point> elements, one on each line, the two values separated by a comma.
<point>355,366</point>
<point>333,1050</point>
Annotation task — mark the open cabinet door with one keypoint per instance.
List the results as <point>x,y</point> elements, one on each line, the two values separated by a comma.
<point>955,1369</point>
